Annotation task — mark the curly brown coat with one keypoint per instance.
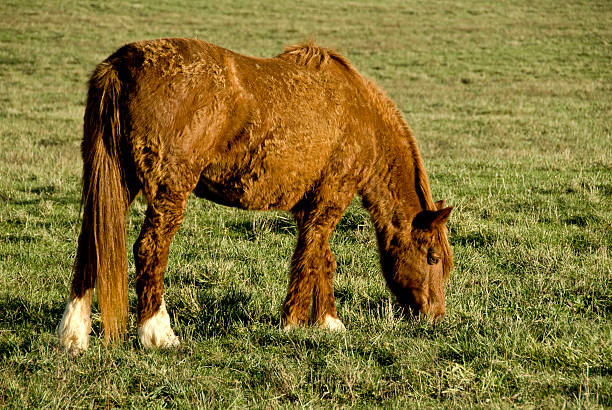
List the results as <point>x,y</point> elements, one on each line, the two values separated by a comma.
<point>301,132</point>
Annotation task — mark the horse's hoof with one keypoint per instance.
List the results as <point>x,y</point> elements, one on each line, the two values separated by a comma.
<point>332,323</point>
<point>289,326</point>
<point>156,331</point>
<point>158,341</point>
<point>152,335</point>
<point>73,330</point>
<point>74,345</point>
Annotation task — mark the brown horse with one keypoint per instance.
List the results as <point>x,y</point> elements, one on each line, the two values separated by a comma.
<point>301,132</point>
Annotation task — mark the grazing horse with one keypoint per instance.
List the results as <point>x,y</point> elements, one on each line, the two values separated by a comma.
<point>302,132</point>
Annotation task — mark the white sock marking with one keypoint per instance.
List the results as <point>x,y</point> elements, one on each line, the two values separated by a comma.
<point>75,326</point>
<point>287,326</point>
<point>156,331</point>
<point>332,323</point>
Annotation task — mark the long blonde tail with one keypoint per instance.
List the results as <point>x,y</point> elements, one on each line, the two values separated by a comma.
<point>101,255</point>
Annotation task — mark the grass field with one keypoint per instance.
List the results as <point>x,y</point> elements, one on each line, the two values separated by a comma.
<point>511,103</point>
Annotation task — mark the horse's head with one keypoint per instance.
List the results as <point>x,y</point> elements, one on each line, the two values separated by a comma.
<point>417,262</point>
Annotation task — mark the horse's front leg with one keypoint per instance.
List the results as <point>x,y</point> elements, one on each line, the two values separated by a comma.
<point>163,218</point>
<point>303,274</point>
<point>312,268</point>
<point>323,311</point>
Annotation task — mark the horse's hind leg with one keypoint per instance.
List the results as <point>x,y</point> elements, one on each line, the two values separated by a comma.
<point>163,218</point>
<point>75,326</point>
<point>313,265</point>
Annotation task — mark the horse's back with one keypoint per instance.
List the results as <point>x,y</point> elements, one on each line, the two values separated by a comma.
<point>256,133</point>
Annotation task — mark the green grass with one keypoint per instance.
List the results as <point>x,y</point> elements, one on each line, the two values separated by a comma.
<point>511,103</point>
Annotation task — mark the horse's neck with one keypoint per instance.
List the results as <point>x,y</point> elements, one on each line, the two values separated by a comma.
<point>398,189</point>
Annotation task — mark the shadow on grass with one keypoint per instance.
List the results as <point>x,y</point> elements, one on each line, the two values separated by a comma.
<point>253,228</point>
<point>220,312</point>
<point>46,192</point>
<point>58,200</point>
<point>21,323</point>
<point>283,223</point>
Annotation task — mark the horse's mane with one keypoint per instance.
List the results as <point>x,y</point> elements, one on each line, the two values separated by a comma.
<point>393,116</point>
<point>426,199</point>
<point>311,55</point>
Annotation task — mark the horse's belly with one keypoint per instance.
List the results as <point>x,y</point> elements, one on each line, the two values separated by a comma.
<point>255,189</point>
<point>267,167</point>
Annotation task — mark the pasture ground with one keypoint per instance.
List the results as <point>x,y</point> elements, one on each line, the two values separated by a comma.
<point>511,103</point>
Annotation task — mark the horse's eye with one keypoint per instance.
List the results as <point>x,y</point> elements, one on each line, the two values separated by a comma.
<point>432,258</point>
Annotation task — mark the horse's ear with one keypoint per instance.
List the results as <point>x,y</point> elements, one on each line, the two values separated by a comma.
<point>439,204</point>
<point>427,220</point>
<point>442,215</point>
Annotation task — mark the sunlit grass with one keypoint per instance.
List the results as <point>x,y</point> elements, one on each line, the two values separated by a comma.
<point>511,104</point>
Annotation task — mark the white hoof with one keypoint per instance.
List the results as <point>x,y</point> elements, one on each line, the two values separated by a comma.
<point>288,326</point>
<point>73,331</point>
<point>332,323</point>
<point>156,331</point>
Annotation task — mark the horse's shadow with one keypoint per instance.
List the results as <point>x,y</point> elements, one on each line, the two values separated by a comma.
<point>214,312</point>
<point>284,223</point>
<point>220,313</point>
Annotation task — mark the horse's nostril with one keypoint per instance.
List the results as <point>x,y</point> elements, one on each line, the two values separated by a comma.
<point>437,314</point>
<point>413,310</point>
<point>433,311</point>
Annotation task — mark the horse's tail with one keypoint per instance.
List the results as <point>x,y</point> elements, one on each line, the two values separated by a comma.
<point>101,255</point>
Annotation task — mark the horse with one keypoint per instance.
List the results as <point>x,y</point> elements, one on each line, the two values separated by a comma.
<point>302,132</point>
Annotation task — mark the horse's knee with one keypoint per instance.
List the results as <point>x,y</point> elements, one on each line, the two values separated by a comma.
<point>330,262</point>
<point>144,249</point>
